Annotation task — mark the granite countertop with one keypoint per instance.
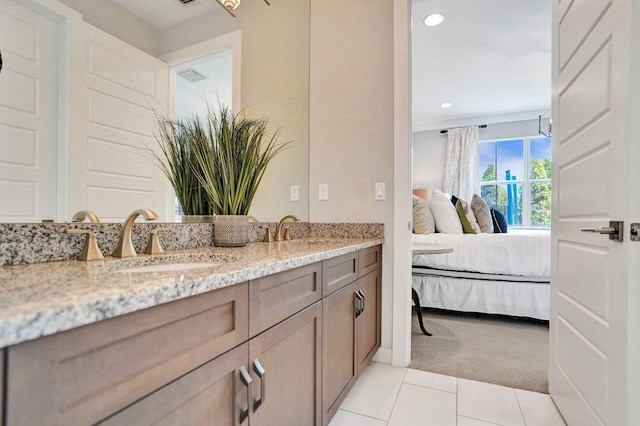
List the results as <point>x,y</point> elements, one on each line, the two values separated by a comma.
<point>45,298</point>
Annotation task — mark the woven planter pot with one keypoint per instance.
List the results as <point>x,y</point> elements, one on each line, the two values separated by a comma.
<point>231,230</point>
<point>191,218</point>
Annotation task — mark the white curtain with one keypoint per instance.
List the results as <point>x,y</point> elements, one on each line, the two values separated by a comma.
<point>461,166</point>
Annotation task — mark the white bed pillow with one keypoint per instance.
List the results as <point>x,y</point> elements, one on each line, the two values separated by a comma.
<point>444,213</point>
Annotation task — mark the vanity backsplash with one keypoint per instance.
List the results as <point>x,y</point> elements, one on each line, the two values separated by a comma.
<point>47,242</point>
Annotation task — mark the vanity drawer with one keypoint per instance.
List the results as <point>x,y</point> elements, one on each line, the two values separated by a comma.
<point>85,375</point>
<point>276,297</point>
<point>369,259</point>
<point>338,272</point>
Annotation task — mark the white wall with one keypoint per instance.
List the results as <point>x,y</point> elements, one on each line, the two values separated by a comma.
<point>351,120</point>
<point>429,148</point>
<point>117,21</point>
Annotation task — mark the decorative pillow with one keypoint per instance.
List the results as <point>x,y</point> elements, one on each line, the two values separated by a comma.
<point>423,222</point>
<point>482,214</point>
<point>445,215</point>
<point>454,200</point>
<point>499,222</point>
<point>471,217</point>
<point>466,226</point>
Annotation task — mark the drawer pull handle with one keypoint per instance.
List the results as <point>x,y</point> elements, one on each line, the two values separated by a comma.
<point>260,371</point>
<point>358,303</point>
<point>364,297</point>
<point>245,378</point>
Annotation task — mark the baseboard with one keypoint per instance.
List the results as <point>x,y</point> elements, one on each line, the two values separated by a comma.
<point>383,355</point>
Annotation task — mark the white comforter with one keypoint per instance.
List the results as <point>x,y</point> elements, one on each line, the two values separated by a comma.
<point>519,252</point>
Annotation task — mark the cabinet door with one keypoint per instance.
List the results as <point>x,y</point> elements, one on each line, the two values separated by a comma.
<point>289,392</point>
<point>210,395</point>
<point>338,349</point>
<point>368,323</point>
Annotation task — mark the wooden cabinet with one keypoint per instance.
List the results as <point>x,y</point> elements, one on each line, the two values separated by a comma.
<point>289,391</point>
<point>368,330</point>
<point>352,330</point>
<point>276,297</point>
<point>270,351</point>
<point>284,385</point>
<point>339,348</point>
<point>209,395</point>
<point>86,374</point>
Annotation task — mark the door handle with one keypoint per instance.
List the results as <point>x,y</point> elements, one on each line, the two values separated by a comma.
<point>260,371</point>
<point>615,230</point>
<point>245,378</point>
<point>364,298</point>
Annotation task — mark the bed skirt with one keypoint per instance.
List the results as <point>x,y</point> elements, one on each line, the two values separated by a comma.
<point>476,294</point>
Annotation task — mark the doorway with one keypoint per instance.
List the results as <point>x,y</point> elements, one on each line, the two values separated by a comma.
<point>204,75</point>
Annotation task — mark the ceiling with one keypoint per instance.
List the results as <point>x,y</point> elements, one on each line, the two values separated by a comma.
<point>163,14</point>
<point>490,58</point>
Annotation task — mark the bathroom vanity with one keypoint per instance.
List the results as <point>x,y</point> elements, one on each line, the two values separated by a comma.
<point>272,333</point>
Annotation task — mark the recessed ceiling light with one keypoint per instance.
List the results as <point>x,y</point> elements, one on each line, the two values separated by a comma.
<point>446,105</point>
<point>433,20</point>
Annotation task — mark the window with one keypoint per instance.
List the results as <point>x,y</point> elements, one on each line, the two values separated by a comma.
<point>515,178</point>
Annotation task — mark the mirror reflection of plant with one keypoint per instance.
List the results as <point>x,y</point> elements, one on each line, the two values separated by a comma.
<point>176,158</point>
<point>232,156</point>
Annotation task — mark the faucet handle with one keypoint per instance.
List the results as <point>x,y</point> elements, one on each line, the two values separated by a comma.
<point>287,234</point>
<point>268,238</point>
<point>154,246</point>
<point>90,250</point>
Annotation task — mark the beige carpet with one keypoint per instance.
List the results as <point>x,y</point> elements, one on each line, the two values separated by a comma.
<point>489,348</point>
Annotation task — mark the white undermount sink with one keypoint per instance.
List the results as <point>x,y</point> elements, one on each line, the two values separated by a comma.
<point>169,267</point>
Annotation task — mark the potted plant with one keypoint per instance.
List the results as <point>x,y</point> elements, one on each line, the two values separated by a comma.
<point>176,158</point>
<point>232,153</point>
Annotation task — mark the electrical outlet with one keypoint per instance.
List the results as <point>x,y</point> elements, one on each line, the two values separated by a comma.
<point>295,193</point>
<point>323,192</point>
<point>381,191</point>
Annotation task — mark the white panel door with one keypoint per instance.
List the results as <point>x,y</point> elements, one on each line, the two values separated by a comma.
<point>28,114</point>
<point>591,275</point>
<point>116,91</point>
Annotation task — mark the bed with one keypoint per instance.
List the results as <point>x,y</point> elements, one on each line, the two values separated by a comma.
<point>504,274</point>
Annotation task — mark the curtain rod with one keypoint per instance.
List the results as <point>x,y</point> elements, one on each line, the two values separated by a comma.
<point>480,126</point>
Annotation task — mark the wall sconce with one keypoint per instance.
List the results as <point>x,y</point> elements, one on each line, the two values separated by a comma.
<point>231,5</point>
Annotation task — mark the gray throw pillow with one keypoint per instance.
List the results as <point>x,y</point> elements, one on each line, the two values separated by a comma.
<point>482,214</point>
<point>423,222</point>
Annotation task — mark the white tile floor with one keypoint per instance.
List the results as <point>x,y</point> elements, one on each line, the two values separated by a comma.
<point>393,396</point>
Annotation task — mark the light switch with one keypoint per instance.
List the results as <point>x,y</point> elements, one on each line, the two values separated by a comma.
<point>323,192</point>
<point>295,193</point>
<point>381,191</point>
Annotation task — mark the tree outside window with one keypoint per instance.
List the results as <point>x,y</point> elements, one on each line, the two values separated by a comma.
<point>515,179</point>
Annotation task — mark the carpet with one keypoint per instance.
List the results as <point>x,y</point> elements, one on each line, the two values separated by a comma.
<point>495,349</point>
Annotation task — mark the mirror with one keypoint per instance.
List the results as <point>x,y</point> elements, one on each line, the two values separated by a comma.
<point>274,84</point>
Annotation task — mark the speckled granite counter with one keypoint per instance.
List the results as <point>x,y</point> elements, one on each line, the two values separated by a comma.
<point>45,298</point>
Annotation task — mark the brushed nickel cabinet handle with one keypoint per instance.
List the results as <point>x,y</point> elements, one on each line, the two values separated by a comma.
<point>260,371</point>
<point>245,378</point>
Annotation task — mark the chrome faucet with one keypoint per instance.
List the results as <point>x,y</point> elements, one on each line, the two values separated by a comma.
<point>82,214</point>
<point>278,236</point>
<point>125,245</point>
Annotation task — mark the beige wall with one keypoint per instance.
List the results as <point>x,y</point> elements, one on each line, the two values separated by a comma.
<point>275,84</point>
<point>351,122</point>
<point>117,21</point>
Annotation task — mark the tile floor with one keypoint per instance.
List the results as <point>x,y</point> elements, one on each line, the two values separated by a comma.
<point>394,396</point>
